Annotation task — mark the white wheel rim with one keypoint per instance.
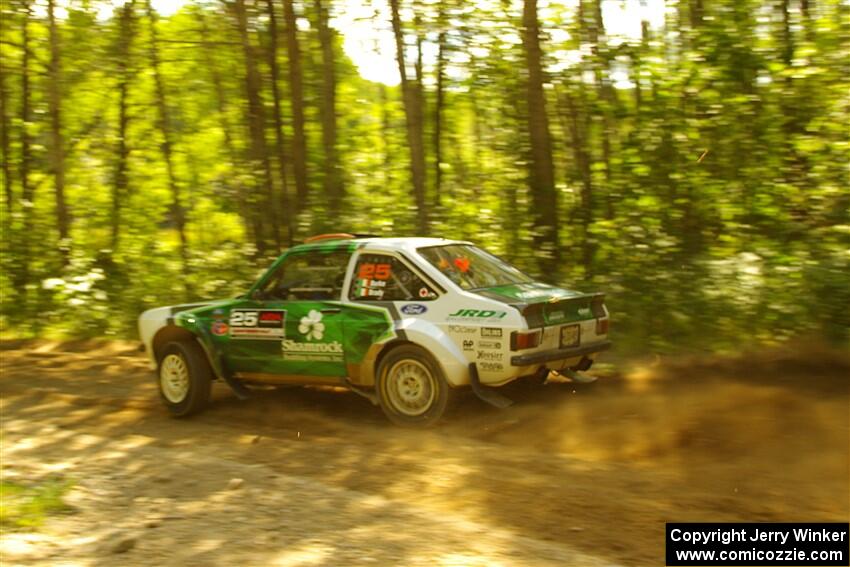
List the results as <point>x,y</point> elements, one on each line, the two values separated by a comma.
<point>411,387</point>
<point>174,378</point>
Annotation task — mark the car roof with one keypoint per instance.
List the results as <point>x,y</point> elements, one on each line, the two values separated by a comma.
<point>404,243</point>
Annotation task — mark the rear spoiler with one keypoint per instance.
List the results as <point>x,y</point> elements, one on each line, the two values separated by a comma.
<point>534,313</point>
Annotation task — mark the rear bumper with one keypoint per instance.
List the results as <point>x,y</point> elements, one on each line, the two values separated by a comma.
<point>558,354</point>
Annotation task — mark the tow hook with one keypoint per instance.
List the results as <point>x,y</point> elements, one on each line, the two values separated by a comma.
<point>484,393</point>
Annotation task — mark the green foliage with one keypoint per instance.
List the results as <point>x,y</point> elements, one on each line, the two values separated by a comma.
<point>24,506</point>
<point>701,168</point>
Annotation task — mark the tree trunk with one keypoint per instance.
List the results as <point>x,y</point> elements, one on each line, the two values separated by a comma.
<point>296,94</point>
<point>164,123</point>
<point>696,13</point>
<point>438,105</point>
<point>57,145</point>
<point>577,128</point>
<point>606,93</point>
<point>280,141</point>
<point>5,147</point>
<point>385,133</point>
<point>787,37</point>
<point>27,195</point>
<point>806,7</point>
<point>544,200</point>
<point>333,177</point>
<point>232,182</point>
<point>412,113</point>
<point>258,151</point>
<point>119,183</point>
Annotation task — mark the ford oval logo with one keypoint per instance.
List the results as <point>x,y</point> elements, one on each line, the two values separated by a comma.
<point>414,309</point>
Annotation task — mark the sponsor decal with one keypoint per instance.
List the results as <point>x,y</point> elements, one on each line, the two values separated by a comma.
<point>312,329</point>
<point>219,328</point>
<point>413,309</point>
<point>584,312</point>
<point>218,313</point>
<point>369,288</point>
<point>491,366</point>
<point>316,352</point>
<point>311,326</point>
<point>490,344</point>
<point>556,316</point>
<point>468,345</point>
<point>270,318</point>
<point>477,314</point>
<point>462,330</point>
<point>257,324</point>
<point>534,293</point>
<point>491,332</point>
<point>369,292</point>
<point>425,293</point>
<point>487,355</point>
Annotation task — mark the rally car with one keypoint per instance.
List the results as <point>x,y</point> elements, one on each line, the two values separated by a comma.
<point>406,322</point>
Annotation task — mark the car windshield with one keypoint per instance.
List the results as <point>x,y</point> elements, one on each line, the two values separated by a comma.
<point>472,268</point>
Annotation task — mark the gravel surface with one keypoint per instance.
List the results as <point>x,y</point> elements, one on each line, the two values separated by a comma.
<point>569,476</point>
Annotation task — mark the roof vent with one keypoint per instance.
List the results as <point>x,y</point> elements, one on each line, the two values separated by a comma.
<point>330,236</point>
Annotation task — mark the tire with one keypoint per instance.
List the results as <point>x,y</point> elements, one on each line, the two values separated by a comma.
<point>184,378</point>
<point>412,389</point>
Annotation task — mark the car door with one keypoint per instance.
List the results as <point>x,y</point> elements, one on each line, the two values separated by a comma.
<point>381,285</point>
<point>292,329</point>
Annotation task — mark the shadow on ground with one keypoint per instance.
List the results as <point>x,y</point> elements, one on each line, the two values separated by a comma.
<point>596,468</point>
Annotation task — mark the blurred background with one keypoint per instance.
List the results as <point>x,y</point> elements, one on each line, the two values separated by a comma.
<point>689,158</point>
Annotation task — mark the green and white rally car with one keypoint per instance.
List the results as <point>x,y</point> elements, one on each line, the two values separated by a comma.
<point>405,322</point>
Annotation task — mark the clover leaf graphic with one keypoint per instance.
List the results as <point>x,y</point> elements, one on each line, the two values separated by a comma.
<point>312,326</point>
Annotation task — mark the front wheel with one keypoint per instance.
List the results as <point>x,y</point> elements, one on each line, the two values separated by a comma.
<point>185,378</point>
<point>412,390</point>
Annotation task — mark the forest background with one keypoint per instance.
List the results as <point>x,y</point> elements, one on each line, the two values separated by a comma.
<point>688,157</point>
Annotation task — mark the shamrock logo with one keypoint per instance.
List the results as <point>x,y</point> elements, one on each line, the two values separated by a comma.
<point>312,326</point>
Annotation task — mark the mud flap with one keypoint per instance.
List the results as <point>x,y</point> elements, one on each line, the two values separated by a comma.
<point>489,395</point>
<point>575,376</point>
<point>368,394</point>
<point>242,392</point>
<point>221,370</point>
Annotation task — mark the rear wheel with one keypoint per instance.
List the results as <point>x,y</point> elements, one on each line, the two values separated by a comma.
<point>412,390</point>
<point>185,378</point>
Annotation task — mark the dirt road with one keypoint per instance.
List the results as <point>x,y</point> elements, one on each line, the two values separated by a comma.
<point>571,475</point>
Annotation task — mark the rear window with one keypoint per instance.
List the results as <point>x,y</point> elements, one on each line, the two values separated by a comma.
<point>472,268</point>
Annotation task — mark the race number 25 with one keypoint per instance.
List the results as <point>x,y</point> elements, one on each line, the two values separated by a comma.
<point>374,272</point>
<point>244,318</point>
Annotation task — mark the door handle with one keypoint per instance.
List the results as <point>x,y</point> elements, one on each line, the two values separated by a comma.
<point>330,310</point>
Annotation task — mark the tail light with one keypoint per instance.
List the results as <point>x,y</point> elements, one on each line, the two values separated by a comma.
<point>602,326</point>
<point>597,306</point>
<point>521,340</point>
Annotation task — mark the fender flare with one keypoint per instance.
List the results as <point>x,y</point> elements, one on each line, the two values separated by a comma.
<point>434,341</point>
<point>172,332</point>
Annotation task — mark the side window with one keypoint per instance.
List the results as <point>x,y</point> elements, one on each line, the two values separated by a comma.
<point>312,275</point>
<point>378,277</point>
